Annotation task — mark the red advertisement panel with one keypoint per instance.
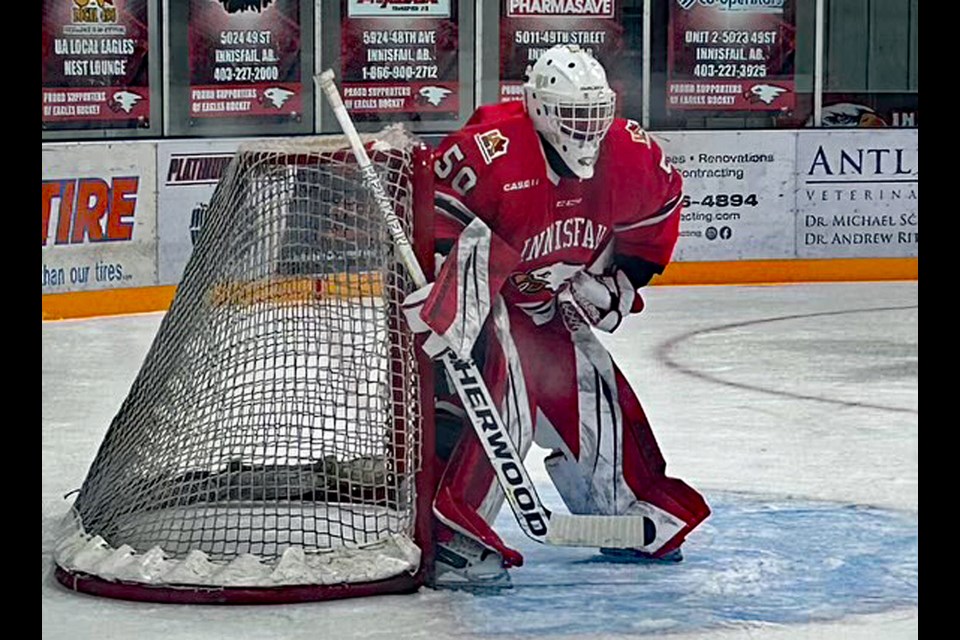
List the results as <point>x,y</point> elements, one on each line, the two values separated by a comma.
<point>245,58</point>
<point>731,55</point>
<point>400,59</point>
<point>530,27</point>
<point>94,64</point>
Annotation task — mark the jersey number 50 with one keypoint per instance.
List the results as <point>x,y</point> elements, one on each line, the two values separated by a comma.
<point>465,178</point>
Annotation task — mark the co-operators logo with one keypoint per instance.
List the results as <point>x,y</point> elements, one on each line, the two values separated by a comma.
<point>763,6</point>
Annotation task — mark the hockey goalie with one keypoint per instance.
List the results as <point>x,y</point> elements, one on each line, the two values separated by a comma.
<point>551,214</point>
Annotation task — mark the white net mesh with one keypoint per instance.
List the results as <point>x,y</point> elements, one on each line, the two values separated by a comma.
<point>271,436</point>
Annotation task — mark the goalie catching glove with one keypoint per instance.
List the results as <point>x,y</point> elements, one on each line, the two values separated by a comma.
<point>601,300</point>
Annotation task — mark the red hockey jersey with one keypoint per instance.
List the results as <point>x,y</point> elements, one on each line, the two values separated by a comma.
<point>515,228</point>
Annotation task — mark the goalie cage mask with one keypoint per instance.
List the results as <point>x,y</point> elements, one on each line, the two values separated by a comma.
<point>571,105</point>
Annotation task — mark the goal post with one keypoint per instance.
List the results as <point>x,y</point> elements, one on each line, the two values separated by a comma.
<point>276,445</point>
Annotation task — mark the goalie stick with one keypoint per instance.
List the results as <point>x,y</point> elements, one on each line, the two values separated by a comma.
<point>539,523</point>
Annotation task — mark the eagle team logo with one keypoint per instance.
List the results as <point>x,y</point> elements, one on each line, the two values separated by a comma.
<point>552,277</point>
<point>493,144</point>
<point>848,114</point>
<point>124,101</point>
<point>765,93</point>
<point>277,96</point>
<point>433,95</point>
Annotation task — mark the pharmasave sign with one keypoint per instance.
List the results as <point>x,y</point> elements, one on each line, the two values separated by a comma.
<point>858,194</point>
<point>564,8</point>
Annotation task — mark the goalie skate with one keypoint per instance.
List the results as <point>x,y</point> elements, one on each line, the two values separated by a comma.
<point>465,564</point>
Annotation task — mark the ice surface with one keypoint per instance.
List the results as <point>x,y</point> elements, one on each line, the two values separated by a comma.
<point>794,409</point>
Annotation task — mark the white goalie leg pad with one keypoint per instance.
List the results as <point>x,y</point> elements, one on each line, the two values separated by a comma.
<point>514,409</point>
<point>622,532</point>
<point>593,482</point>
<point>601,426</point>
<point>570,483</point>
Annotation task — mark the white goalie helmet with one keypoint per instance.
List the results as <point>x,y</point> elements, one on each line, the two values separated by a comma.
<point>571,104</point>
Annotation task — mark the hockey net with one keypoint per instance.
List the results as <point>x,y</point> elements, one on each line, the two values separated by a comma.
<point>270,448</point>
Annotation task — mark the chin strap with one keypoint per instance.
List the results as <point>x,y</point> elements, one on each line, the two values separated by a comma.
<point>556,163</point>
